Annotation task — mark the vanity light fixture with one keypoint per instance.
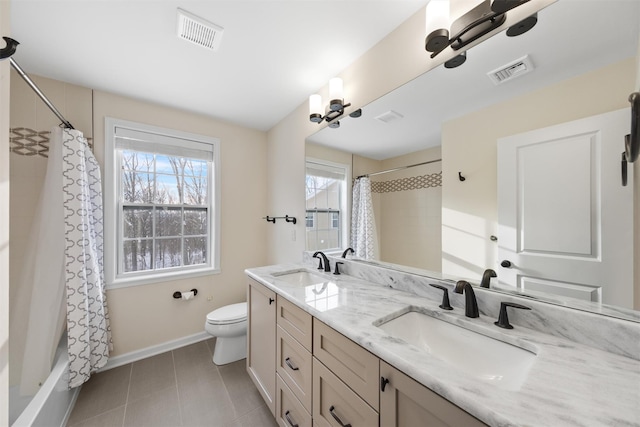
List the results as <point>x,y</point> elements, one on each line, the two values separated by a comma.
<point>335,109</point>
<point>466,22</point>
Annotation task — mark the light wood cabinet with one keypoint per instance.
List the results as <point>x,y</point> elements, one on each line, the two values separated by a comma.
<point>407,403</point>
<point>310,375</point>
<point>261,344</point>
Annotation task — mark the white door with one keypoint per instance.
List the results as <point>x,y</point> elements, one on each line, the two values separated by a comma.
<point>565,220</point>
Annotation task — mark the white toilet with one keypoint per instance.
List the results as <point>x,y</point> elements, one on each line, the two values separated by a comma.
<point>229,325</point>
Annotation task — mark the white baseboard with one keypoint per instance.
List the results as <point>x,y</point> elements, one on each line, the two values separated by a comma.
<point>144,353</point>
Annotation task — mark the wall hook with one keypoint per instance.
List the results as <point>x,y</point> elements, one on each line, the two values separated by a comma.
<point>286,218</point>
<point>290,219</point>
<point>9,49</point>
<point>460,177</point>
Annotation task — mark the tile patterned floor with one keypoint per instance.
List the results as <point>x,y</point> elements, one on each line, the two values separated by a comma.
<point>178,388</point>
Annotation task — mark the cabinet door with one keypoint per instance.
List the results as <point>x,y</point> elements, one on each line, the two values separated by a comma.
<point>406,403</point>
<point>261,345</point>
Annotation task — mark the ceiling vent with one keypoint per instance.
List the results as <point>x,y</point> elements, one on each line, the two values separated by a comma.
<point>389,116</point>
<point>510,71</point>
<point>199,31</point>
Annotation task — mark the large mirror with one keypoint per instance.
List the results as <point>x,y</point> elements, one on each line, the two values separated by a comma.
<point>441,217</point>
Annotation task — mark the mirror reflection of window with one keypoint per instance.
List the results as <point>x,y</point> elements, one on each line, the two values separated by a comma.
<point>326,201</point>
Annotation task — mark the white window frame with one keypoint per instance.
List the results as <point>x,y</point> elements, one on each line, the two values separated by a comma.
<point>113,214</point>
<point>345,202</point>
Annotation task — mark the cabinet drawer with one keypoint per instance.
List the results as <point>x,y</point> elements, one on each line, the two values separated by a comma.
<point>350,362</point>
<point>289,411</point>
<point>334,403</point>
<point>294,367</point>
<point>295,321</point>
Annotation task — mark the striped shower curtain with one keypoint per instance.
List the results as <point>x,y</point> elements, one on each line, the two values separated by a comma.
<point>88,331</point>
<point>364,237</point>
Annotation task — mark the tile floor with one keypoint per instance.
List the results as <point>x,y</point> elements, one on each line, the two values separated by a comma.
<point>178,388</point>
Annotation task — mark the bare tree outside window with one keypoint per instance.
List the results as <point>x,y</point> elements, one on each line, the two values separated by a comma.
<point>165,211</point>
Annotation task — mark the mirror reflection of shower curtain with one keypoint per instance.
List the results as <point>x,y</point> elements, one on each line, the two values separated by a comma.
<point>63,276</point>
<point>364,237</point>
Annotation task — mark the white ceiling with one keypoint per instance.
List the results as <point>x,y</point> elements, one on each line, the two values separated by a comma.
<point>571,38</point>
<point>273,55</point>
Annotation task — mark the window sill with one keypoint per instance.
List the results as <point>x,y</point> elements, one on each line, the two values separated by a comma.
<point>161,277</point>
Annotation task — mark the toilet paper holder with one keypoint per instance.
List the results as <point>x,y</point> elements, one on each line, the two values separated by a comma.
<point>178,294</point>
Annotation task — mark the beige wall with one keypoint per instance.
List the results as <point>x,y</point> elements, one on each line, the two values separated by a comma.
<point>147,315</point>
<point>469,208</point>
<point>4,221</point>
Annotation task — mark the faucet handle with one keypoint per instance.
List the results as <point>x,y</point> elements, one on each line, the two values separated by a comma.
<point>445,297</point>
<point>320,267</point>
<point>337,270</point>
<point>503,319</point>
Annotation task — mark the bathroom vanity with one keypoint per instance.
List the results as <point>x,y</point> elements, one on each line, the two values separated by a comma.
<point>328,350</point>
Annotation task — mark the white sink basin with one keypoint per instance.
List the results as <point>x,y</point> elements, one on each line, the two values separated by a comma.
<point>499,363</point>
<point>300,278</point>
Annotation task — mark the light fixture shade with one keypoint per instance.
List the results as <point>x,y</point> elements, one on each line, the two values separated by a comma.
<point>437,15</point>
<point>336,94</point>
<point>437,25</point>
<point>315,105</point>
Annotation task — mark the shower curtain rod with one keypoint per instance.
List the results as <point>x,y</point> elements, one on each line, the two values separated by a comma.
<point>38,92</point>
<point>398,169</point>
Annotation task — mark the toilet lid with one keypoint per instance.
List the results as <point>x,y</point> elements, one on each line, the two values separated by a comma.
<point>228,313</point>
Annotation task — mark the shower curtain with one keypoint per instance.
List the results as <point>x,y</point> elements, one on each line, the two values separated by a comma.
<point>364,237</point>
<point>63,279</point>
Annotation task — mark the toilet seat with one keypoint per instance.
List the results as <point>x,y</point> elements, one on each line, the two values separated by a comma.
<point>227,315</point>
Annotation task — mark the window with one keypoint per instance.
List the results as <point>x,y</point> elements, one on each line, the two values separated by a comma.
<point>309,220</point>
<point>326,199</point>
<point>161,205</point>
<point>335,219</point>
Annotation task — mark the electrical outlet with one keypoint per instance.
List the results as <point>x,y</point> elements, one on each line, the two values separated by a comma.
<point>210,298</point>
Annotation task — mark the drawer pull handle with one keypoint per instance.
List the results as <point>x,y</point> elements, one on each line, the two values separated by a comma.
<point>335,417</point>
<point>383,383</point>
<point>289,420</point>
<point>290,365</point>
<point>271,300</point>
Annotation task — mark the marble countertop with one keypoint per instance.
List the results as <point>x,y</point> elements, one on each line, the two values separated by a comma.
<point>569,384</point>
